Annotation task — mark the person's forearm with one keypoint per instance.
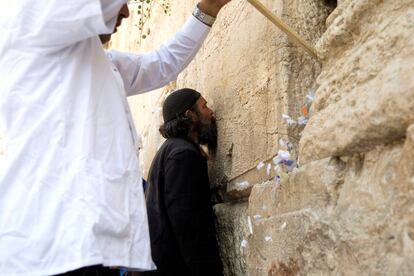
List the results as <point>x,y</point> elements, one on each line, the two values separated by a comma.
<point>162,64</point>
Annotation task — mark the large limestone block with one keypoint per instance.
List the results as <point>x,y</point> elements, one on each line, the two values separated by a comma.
<point>369,101</point>
<point>232,232</point>
<point>368,229</point>
<point>373,215</point>
<point>372,114</point>
<point>337,217</point>
<point>282,214</point>
<point>312,186</point>
<point>274,243</point>
<point>399,256</point>
<point>251,75</point>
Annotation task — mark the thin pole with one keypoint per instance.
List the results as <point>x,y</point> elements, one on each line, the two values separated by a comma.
<point>285,28</point>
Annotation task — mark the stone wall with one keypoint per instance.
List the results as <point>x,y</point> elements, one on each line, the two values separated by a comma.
<point>249,73</point>
<point>346,209</point>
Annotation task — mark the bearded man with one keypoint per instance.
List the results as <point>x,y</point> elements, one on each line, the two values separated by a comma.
<point>180,214</point>
<point>71,199</point>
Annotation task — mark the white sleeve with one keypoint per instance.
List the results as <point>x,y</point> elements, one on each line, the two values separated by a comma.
<point>142,73</point>
<point>49,23</point>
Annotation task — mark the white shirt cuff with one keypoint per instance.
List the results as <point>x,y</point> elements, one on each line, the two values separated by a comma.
<point>195,30</point>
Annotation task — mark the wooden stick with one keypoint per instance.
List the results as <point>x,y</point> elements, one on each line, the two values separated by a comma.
<point>285,28</point>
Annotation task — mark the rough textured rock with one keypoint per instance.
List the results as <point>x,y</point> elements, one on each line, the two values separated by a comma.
<point>232,230</point>
<point>337,217</point>
<point>369,101</point>
<point>283,213</point>
<point>262,76</point>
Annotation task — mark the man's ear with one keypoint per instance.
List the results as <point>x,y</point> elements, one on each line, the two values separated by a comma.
<point>190,114</point>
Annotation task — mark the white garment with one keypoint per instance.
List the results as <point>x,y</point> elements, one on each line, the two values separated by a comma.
<point>70,188</point>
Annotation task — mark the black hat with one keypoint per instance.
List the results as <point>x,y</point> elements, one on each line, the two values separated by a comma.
<point>178,102</point>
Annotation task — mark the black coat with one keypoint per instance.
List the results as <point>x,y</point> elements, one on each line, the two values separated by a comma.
<point>180,215</point>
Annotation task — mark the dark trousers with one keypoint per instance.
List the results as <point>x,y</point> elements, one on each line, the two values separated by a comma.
<point>96,270</point>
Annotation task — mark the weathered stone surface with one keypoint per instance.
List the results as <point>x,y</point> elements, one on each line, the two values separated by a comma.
<point>239,188</point>
<point>369,101</point>
<point>399,259</point>
<point>368,233</point>
<point>249,73</point>
<point>283,213</point>
<point>334,217</point>
<point>232,230</point>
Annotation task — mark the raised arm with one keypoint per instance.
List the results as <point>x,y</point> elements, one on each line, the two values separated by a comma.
<point>145,72</point>
<point>142,73</point>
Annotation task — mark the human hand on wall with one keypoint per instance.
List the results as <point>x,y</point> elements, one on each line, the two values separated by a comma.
<point>212,7</point>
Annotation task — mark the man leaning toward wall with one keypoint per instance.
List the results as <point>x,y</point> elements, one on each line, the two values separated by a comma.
<point>70,191</point>
<point>180,214</point>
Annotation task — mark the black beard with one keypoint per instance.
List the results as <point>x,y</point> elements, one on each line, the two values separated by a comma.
<point>207,135</point>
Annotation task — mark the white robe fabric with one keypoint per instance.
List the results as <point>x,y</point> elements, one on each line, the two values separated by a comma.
<point>70,186</point>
